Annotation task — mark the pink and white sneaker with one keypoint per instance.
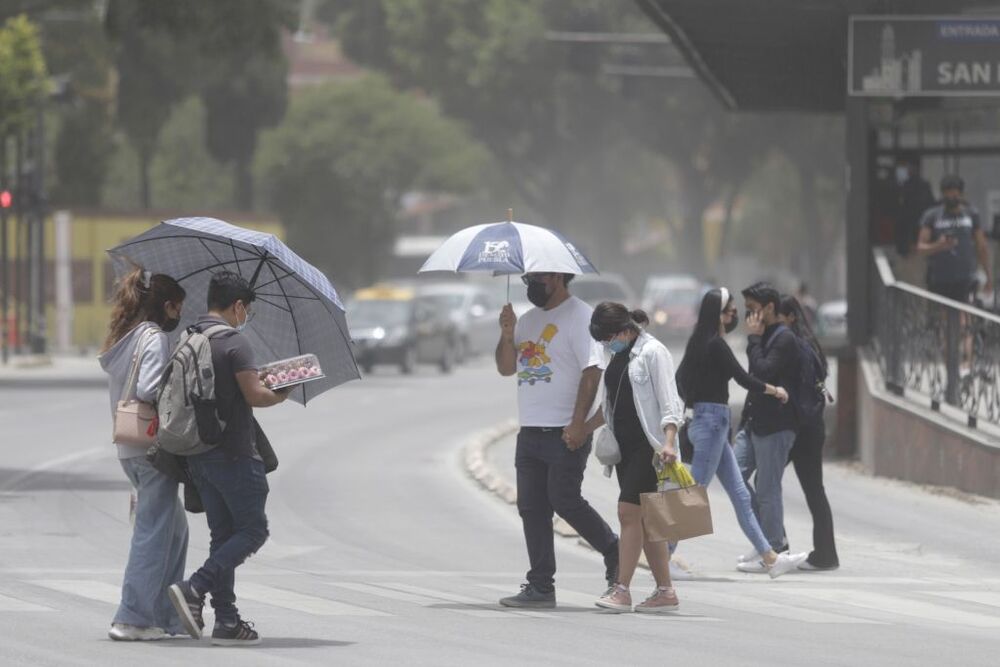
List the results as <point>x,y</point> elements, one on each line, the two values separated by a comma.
<point>662,600</point>
<point>617,598</point>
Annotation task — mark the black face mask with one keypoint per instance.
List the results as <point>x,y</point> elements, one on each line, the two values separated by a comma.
<point>732,324</point>
<point>537,294</point>
<point>952,203</point>
<point>170,324</point>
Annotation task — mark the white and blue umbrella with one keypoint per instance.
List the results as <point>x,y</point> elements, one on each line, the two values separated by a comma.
<point>296,310</point>
<point>508,248</point>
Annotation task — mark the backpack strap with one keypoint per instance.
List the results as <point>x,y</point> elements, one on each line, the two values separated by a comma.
<point>781,328</point>
<point>217,330</point>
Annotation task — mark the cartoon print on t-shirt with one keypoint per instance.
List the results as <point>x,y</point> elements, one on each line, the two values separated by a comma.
<point>533,359</point>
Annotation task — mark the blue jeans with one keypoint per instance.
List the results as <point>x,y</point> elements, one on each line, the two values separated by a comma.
<point>767,455</point>
<point>709,434</point>
<point>156,555</point>
<point>234,493</point>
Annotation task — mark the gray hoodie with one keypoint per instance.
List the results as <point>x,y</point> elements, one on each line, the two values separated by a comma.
<point>117,361</point>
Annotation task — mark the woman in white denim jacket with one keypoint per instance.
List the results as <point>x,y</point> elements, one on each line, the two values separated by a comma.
<point>643,410</point>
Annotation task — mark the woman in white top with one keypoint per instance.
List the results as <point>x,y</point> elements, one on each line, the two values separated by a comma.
<point>644,411</point>
<point>145,307</point>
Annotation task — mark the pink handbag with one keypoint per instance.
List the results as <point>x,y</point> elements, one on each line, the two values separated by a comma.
<point>135,420</point>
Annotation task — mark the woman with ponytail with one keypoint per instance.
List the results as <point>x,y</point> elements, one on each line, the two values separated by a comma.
<point>145,307</point>
<point>703,377</point>
<point>643,411</point>
<point>807,452</point>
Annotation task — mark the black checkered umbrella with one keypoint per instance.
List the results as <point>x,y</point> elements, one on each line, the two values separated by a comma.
<point>297,310</point>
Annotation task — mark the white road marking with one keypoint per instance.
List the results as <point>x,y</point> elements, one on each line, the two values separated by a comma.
<point>899,605</point>
<point>85,588</point>
<point>417,599</point>
<point>8,603</point>
<point>435,597</point>
<point>585,600</point>
<point>738,601</point>
<point>979,597</point>
<point>93,453</point>
<point>310,604</point>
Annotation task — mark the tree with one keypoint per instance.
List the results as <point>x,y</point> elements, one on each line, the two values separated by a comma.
<point>155,72</point>
<point>337,166</point>
<point>542,109</point>
<point>22,75</point>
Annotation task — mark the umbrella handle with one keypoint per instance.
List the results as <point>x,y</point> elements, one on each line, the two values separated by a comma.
<point>508,288</point>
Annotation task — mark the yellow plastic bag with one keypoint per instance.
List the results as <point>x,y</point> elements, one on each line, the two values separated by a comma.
<point>676,473</point>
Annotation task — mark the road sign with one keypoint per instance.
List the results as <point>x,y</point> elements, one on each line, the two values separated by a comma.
<point>923,56</point>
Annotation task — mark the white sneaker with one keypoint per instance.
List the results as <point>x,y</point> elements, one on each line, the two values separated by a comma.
<point>752,566</point>
<point>122,632</point>
<point>749,557</point>
<point>679,573</point>
<point>786,563</point>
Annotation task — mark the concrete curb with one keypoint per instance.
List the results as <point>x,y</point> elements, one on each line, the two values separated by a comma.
<point>479,468</point>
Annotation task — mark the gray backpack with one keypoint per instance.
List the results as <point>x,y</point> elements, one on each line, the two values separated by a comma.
<point>185,401</point>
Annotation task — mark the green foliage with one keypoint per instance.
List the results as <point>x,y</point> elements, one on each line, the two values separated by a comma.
<point>344,155</point>
<point>182,174</point>
<point>22,75</point>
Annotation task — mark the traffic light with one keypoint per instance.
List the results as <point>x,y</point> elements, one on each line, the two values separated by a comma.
<point>6,199</point>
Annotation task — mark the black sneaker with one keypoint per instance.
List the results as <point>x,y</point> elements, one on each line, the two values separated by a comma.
<point>531,598</point>
<point>189,606</point>
<point>611,565</point>
<point>241,634</point>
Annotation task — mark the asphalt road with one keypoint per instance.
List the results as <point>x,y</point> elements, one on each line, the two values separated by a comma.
<point>384,552</point>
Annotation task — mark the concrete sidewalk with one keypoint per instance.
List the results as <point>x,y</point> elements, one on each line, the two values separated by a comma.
<point>46,372</point>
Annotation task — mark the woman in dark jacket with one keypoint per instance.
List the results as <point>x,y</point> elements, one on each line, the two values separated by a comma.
<point>807,452</point>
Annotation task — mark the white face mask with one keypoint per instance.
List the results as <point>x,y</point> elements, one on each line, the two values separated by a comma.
<point>902,174</point>
<point>239,326</point>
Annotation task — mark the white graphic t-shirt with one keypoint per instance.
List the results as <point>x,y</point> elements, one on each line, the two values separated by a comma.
<point>553,349</point>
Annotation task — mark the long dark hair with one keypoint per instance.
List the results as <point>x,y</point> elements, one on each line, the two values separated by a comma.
<point>704,332</point>
<point>610,319</point>
<point>137,301</point>
<point>790,307</point>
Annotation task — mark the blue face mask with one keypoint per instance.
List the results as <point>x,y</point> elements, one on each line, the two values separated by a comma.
<point>616,346</point>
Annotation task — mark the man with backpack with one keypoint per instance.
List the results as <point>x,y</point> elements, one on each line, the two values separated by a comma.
<point>768,427</point>
<point>229,472</point>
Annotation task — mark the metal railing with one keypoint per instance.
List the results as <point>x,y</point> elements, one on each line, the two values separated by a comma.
<point>936,351</point>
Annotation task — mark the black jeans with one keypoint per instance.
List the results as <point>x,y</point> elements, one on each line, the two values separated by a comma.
<point>807,457</point>
<point>549,477</point>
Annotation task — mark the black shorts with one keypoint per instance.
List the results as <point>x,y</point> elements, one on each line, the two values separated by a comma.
<point>959,291</point>
<point>636,474</point>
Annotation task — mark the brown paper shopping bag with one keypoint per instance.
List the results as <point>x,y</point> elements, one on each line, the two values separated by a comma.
<point>676,514</point>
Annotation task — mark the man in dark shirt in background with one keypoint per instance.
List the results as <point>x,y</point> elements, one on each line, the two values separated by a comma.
<point>229,477</point>
<point>952,237</point>
<point>768,430</point>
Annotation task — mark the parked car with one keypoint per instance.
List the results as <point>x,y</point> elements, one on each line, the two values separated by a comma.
<point>474,313</point>
<point>395,325</point>
<point>831,320</point>
<point>672,302</point>
<point>594,288</point>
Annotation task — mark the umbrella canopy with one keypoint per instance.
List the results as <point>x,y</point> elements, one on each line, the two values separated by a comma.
<point>508,248</point>
<point>296,311</point>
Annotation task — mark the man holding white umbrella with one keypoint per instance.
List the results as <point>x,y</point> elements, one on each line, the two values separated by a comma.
<point>559,367</point>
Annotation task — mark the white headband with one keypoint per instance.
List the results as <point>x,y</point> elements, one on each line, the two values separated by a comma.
<point>147,276</point>
<point>725,299</point>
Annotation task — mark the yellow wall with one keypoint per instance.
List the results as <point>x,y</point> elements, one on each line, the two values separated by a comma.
<point>92,234</point>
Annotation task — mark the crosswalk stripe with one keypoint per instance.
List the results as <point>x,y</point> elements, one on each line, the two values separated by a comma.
<point>310,604</point>
<point>85,588</point>
<point>979,597</point>
<point>412,598</point>
<point>899,605</point>
<point>756,605</point>
<point>435,597</point>
<point>8,603</point>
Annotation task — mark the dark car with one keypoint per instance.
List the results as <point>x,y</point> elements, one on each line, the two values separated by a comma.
<point>672,302</point>
<point>397,326</point>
